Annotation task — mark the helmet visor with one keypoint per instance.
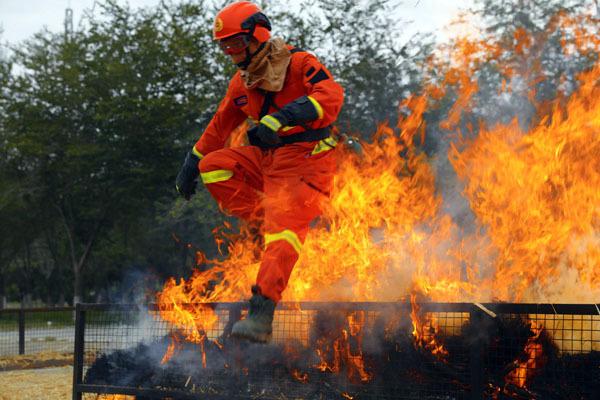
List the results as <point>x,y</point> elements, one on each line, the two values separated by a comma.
<point>234,44</point>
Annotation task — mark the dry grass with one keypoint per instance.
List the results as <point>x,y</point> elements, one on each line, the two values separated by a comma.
<point>38,360</point>
<point>37,384</point>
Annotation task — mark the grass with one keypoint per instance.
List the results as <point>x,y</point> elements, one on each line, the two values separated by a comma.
<point>9,321</point>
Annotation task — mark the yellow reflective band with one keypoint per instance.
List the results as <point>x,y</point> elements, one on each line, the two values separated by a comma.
<point>317,107</point>
<point>219,175</point>
<point>288,236</point>
<point>324,145</point>
<point>272,122</point>
<point>197,153</point>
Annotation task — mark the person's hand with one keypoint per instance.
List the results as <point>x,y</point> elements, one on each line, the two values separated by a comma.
<point>267,129</point>
<point>187,178</point>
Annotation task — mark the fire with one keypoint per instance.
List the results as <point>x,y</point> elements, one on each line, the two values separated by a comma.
<point>170,351</point>
<point>339,347</point>
<point>425,330</point>
<point>531,186</point>
<point>535,191</point>
<point>535,358</point>
<point>301,377</point>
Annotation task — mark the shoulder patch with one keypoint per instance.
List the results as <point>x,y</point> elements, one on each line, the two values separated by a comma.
<point>241,101</point>
<point>319,76</point>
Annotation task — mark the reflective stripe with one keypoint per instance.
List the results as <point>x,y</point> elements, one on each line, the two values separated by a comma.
<point>288,236</point>
<point>219,175</point>
<point>324,145</point>
<point>272,122</point>
<point>197,153</point>
<point>317,107</point>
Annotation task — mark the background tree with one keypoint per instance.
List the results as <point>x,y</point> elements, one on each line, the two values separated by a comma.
<point>98,121</point>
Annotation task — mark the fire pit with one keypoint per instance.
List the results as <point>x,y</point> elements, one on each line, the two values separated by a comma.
<point>346,350</point>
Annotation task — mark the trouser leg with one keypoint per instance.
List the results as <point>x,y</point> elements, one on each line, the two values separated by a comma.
<point>291,202</point>
<point>233,178</point>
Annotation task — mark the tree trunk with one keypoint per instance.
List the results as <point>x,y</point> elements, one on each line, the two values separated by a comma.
<point>78,261</point>
<point>78,285</point>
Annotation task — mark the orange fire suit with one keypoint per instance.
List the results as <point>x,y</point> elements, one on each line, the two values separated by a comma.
<point>285,186</point>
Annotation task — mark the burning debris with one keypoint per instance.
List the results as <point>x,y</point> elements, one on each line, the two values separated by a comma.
<point>352,352</point>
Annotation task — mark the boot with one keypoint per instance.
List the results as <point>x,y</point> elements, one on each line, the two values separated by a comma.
<point>258,324</point>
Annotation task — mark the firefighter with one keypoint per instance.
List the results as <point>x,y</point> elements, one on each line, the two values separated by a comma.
<point>286,173</point>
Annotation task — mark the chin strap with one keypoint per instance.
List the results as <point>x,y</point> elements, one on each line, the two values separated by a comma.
<point>244,64</point>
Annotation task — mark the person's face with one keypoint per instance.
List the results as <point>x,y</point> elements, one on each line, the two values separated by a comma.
<point>235,47</point>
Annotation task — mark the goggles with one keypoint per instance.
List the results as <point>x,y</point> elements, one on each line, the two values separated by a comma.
<point>235,44</point>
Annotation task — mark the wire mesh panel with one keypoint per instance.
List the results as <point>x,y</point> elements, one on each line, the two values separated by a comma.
<point>344,350</point>
<point>49,330</point>
<point>36,330</point>
<point>9,333</point>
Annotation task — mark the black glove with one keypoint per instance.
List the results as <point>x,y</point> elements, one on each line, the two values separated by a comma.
<point>266,131</point>
<point>303,109</point>
<point>187,178</point>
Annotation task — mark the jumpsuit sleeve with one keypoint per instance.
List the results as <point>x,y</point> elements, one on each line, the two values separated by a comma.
<point>228,117</point>
<point>323,91</point>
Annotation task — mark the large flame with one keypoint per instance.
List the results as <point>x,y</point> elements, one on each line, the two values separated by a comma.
<point>534,193</point>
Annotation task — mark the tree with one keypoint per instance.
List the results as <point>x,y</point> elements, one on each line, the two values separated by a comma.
<point>98,119</point>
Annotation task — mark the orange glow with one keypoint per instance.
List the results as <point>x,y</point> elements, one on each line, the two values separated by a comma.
<point>535,193</point>
<point>535,358</point>
<point>425,329</point>
<point>301,377</point>
<point>169,353</point>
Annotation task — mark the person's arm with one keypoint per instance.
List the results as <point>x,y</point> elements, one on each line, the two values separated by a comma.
<point>320,106</point>
<point>229,116</point>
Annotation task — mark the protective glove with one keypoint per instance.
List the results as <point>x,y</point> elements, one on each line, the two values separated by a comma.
<point>187,178</point>
<point>302,110</point>
<point>266,130</point>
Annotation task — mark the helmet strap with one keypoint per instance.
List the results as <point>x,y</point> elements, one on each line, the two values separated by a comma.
<point>249,56</point>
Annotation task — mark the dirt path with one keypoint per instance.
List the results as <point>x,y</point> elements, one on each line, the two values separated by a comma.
<point>37,384</point>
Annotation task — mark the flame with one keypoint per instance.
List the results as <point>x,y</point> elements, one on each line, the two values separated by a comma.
<point>535,192</point>
<point>534,361</point>
<point>301,377</point>
<point>169,353</point>
<point>425,330</point>
<point>339,348</point>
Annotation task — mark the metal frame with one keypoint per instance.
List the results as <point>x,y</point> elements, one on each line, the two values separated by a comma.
<point>477,312</point>
<point>22,319</point>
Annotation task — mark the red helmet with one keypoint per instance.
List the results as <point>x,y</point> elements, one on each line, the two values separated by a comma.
<point>242,17</point>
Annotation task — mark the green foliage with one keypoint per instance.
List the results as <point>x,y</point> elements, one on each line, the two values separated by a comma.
<point>98,123</point>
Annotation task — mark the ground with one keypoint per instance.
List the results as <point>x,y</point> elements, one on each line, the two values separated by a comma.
<point>37,384</point>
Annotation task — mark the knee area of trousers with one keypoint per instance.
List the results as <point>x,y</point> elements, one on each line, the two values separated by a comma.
<point>211,162</point>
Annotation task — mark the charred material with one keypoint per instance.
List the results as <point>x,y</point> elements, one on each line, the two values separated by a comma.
<point>362,355</point>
